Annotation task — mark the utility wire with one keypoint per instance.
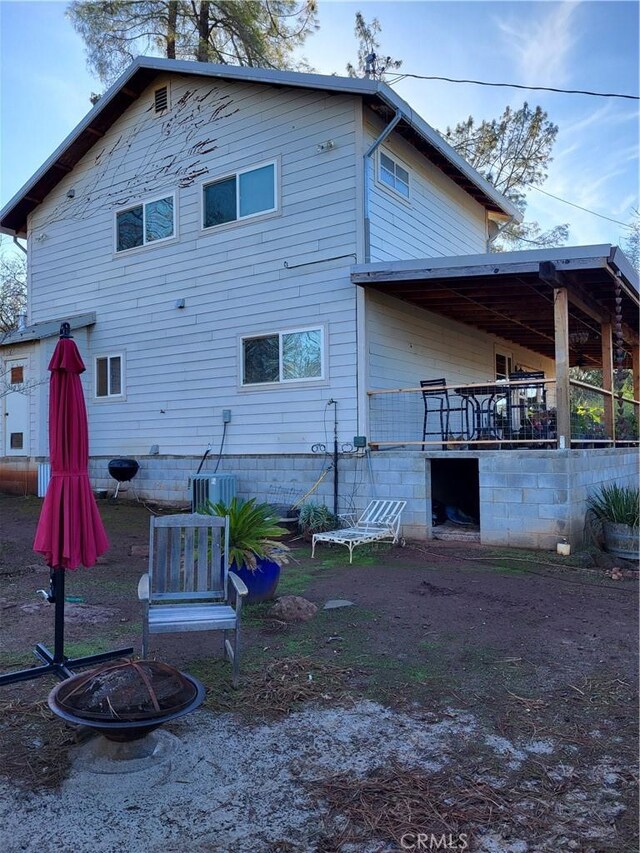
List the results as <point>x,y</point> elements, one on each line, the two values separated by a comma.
<point>585,209</point>
<point>519,86</point>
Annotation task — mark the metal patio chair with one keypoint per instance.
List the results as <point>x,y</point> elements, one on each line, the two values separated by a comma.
<point>189,586</point>
<point>438,410</point>
<point>379,522</point>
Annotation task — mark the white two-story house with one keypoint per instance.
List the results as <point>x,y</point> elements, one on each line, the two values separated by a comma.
<point>249,258</point>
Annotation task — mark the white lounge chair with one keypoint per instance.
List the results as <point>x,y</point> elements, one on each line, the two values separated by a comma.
<point>379,522</point>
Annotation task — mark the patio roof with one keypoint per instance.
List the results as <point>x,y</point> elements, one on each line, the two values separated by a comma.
<point>510,294</point>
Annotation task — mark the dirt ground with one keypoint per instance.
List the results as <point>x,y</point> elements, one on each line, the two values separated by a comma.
<point>485,694</point>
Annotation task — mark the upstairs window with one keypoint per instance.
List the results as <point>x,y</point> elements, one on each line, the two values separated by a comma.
<point>393,175</point>
<point>241,195</point>
<point>282,357</point>
<point>109,376</point>
<point>145,223</point>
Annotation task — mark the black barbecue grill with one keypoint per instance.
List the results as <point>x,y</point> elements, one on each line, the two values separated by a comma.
<point>123,470</point>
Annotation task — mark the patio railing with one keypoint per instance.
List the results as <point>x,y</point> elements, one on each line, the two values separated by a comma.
<point>496,415</point>
<point>601,418</point>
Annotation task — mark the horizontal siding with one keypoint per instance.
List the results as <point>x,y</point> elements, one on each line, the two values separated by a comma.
<point>407,344</point>
<point>182,365</point>
<point>439,219</point>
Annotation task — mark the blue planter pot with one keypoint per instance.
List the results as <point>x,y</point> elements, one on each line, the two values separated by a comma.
<point>261,582</point>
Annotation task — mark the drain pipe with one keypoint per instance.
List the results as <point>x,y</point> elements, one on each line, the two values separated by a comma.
<point>19,245</point>
<point>367,157</point>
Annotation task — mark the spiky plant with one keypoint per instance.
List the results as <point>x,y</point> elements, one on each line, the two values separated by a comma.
<point>619,504</point>
<point>316,518</point>
<point>252,532</point>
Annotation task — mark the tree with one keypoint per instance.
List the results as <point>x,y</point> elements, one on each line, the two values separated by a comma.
<point>631,242</point>
<point>512,153</point>
<point>13,290</point>
<point>369,63</point>
<point>236,32</point>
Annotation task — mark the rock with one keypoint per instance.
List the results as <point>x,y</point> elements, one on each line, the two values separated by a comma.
<point>293,608</point>
<point>337,602</point>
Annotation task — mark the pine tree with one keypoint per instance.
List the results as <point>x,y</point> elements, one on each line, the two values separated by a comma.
<point>236,32</point>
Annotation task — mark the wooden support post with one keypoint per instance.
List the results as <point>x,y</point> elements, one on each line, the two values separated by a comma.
<point>561,324</point>
<point>606,330</point>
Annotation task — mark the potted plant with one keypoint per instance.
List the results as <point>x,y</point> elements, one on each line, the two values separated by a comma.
<point>254,554</point>
<point>617,509</point>
<point>316,518</point>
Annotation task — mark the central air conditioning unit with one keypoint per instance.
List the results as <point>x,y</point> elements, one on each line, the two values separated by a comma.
<point>217,488</point>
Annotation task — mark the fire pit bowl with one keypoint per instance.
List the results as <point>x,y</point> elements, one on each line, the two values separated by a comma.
<point>127,700</point>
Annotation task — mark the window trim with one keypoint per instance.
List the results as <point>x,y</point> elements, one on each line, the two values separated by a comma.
<point>143,203</point>
<point>235,173</point>
<point>397,162</point>
<point>280,383</point>
<point>108,398</point>
<point>508,357</point>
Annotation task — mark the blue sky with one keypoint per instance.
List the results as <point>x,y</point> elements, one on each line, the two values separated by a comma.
<point>45,86</point>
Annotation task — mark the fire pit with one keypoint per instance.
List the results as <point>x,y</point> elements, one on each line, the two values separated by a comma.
<point>126,701</point>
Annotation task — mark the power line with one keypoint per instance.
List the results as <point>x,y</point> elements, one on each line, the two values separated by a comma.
<point>520,86</point>
<point>585,209</point>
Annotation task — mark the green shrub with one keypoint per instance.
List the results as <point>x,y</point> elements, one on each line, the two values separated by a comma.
<point>252,531</point>
<point>620,504</point>
<point>316,518</point>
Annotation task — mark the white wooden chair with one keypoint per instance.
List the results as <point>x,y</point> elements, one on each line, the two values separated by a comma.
<point>189,586</point>
<point>379,522</point>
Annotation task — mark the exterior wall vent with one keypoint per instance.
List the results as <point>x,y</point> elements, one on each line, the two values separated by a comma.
<point>215,488</point>
<point>161,99</point>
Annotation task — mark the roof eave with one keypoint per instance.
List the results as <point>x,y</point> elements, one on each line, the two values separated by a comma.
<point>13,216</point>
<point>528,260</point>
<point>46,329</point>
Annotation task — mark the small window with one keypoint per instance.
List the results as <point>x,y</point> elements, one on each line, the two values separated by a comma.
<point>109,376</point>
<point>17,375</point>
<point>282,357</point>
<point>240,196</point>
<point>394,175</point>
<point>16,441</point>
<point>161,99</point>
<point>145,223</point>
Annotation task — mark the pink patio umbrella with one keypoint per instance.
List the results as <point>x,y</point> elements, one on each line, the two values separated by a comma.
<point>70,532</point>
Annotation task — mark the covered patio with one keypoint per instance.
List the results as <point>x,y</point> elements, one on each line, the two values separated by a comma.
<point>518,455</point>
<point>574,307</point>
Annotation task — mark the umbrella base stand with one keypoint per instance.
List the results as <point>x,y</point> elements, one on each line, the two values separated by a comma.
<point>58,663</point>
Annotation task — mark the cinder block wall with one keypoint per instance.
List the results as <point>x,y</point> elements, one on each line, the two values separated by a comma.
<point>528,498</point>
<point>590,469</point>
<point>533,498</point>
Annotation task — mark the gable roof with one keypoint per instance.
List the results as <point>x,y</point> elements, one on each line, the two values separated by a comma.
<point>130,85</point>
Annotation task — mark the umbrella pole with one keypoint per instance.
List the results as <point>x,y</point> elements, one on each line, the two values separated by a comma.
<point>57,591</point>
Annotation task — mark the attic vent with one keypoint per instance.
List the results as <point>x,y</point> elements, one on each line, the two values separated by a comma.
<point>161,99</point>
